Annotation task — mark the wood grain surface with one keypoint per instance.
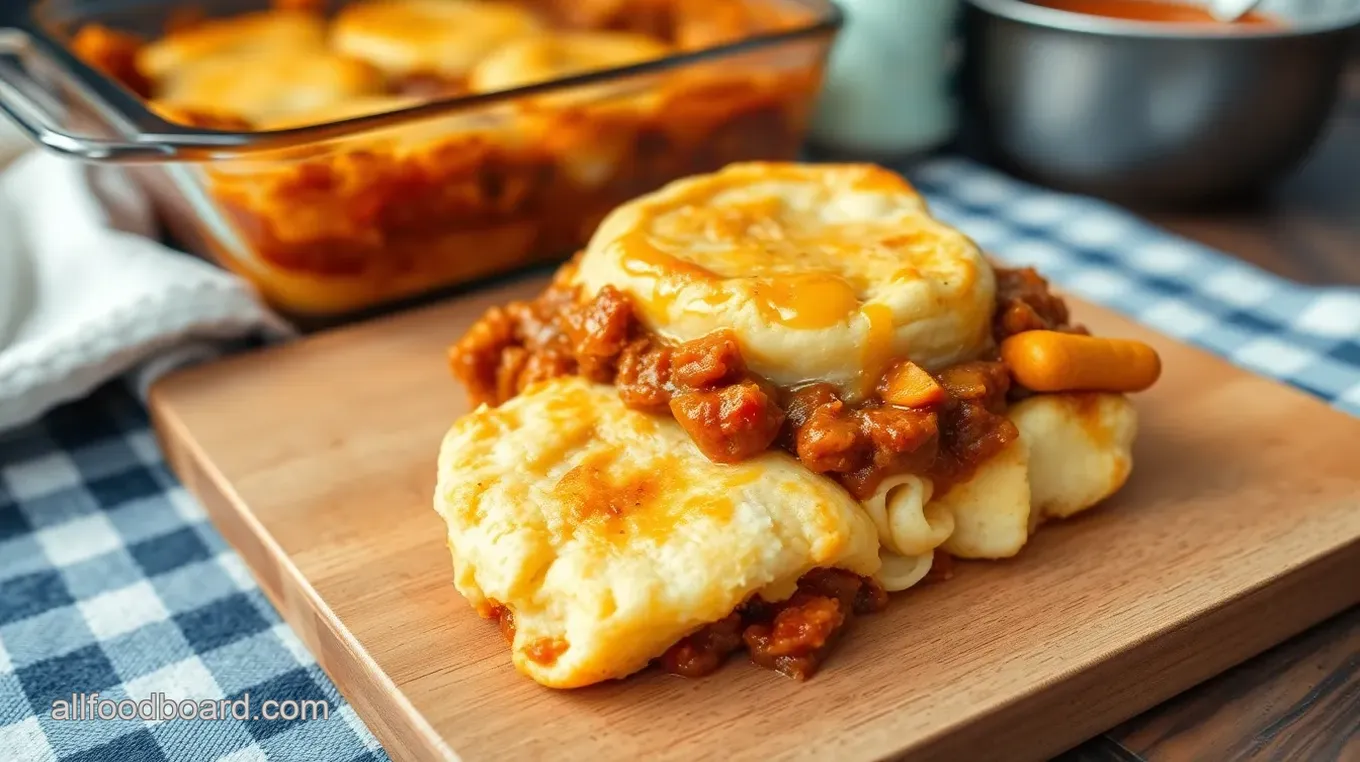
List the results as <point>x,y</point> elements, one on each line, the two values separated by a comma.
<point>1297,701</point>
<point>1311,677</point>
<point>316,461</point>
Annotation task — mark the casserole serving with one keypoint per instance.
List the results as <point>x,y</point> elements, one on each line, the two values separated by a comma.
<point>758,401</point>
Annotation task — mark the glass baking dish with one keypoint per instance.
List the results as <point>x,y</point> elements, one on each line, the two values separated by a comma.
<point>336,217</point>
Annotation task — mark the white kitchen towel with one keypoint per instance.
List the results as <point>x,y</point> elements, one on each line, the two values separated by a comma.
<point>87,294</point>
<point>12,142</point>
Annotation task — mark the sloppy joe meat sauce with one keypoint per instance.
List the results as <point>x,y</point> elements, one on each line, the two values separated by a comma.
<point>1159,11</point>
<point>792,636</point>
<point>732,414</point>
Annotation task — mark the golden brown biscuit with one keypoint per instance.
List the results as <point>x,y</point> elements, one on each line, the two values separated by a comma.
<point>992,509</point>
<point>1074,451</point>
<point>245,35</point>
<point>441,37</point>
<point>825,273</point>
<point>546,57</point>
<point>609,536</point>
<point>1080,449</point>
<point>272,85</point>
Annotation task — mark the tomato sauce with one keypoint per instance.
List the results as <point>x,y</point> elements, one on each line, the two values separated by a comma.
<point>1155,11</point>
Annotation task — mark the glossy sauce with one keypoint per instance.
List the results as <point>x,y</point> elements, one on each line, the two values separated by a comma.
<point>808,301</point>
<point>878,344</point>
<point>1155,11</point>
<point>666,274</point>
<point>546,650</point>
<point>730,414</point>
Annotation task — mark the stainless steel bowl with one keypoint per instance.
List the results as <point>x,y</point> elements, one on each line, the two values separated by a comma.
<point>1151,113</point>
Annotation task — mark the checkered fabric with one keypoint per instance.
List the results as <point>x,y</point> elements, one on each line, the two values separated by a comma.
<point>1306,336</point>
<point>111,579</point>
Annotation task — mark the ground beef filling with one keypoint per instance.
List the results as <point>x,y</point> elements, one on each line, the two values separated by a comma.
<point>1025,303</point>
<point>791,637</point>
<point>940,425</point>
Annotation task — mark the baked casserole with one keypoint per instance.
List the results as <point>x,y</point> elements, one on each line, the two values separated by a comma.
<point>758,401</point>
<point>335,226</point>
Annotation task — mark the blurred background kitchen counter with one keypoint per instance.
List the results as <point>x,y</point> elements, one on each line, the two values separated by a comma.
<point>1308,227</point>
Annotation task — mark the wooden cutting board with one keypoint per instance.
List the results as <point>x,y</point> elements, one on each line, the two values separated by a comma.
<point>1239,527</point>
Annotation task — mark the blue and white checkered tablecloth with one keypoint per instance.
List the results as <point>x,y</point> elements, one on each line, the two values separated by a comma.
<point>113,581</point>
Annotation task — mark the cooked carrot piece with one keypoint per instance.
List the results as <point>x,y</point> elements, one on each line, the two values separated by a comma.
<point>1050,361</point>
<point>909,385</point>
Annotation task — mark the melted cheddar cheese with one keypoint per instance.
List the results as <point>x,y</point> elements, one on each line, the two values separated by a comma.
<point>824,272</point>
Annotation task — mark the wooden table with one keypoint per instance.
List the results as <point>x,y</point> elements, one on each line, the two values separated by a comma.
<point>1300,700</point>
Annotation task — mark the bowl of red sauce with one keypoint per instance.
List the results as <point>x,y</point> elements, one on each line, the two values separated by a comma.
<point>1152,101</point>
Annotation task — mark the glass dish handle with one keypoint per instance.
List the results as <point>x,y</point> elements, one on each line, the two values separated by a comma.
<point>41,114</point>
